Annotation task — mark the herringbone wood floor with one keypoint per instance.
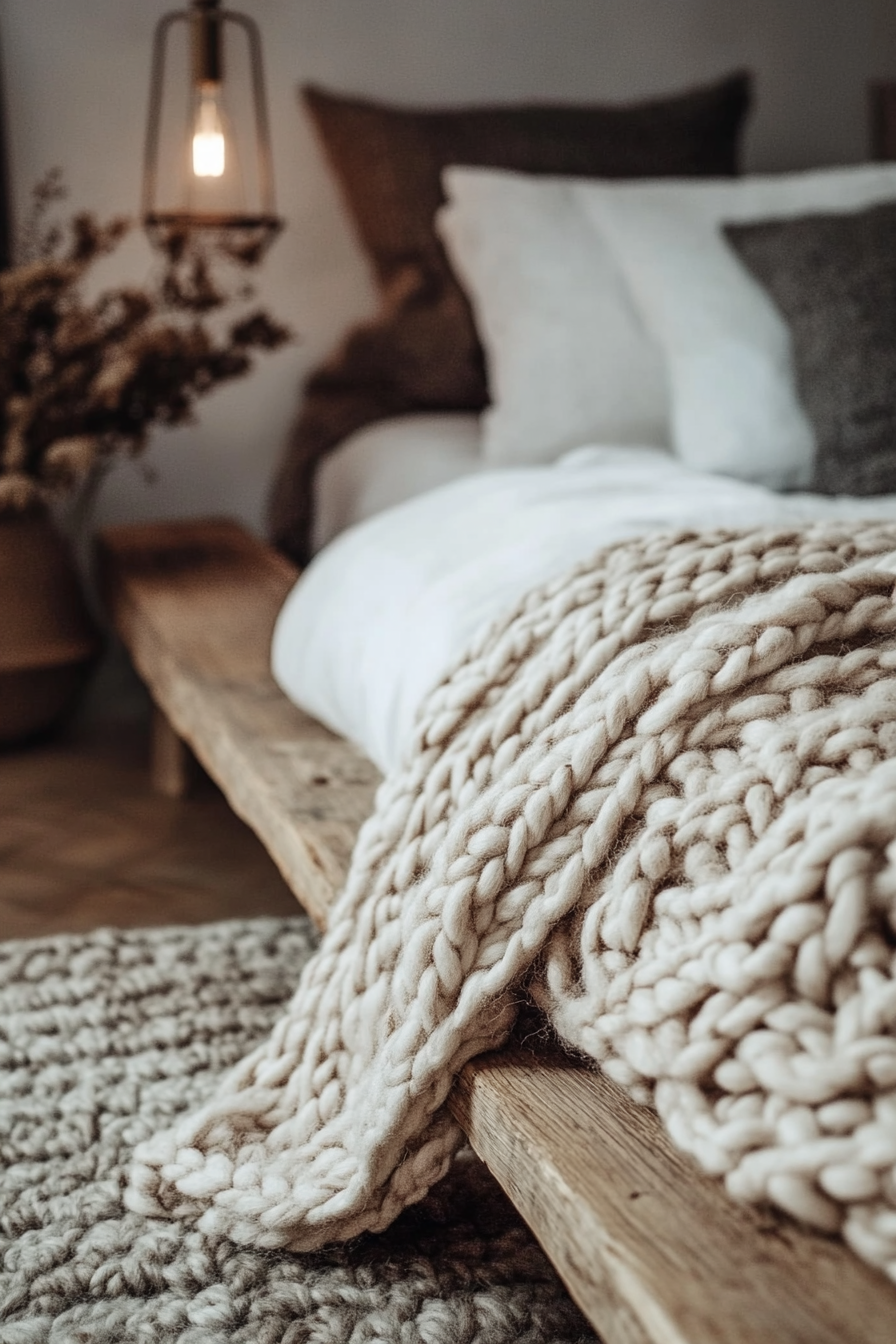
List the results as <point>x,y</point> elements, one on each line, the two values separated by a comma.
<point>85,842</point>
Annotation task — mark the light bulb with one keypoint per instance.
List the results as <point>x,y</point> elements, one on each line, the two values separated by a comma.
<point>208,133</point>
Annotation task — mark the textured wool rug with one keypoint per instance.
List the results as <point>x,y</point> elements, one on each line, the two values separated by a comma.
<point>105,1038</point>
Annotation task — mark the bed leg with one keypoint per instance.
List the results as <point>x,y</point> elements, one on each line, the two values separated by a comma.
<point>172,766</point>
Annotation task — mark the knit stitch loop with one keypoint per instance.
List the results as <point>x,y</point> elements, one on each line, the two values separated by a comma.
<point>662,796</point>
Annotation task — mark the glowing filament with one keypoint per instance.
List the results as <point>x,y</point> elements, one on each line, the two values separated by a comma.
<point>208,135</point>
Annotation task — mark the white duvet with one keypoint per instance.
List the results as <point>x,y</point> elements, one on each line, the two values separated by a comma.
<point>388,607</point>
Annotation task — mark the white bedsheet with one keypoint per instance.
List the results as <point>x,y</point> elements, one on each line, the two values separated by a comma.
<point>388,462</point>
<point>388,607</point>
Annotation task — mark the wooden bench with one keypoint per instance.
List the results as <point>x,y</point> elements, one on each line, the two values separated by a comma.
<point>652,1251</point>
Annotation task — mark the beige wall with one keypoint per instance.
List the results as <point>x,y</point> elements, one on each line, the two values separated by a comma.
<point>76,86</point>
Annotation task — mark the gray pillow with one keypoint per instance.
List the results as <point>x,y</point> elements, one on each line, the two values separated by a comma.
<point>833,277</point>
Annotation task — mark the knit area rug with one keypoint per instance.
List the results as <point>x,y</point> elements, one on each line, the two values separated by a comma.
<point>107,1037</point>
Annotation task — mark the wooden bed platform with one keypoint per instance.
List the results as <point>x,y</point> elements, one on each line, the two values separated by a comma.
<point>652,1251</point>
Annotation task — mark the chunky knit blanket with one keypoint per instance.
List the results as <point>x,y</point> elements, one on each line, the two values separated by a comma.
<point>661,798</point>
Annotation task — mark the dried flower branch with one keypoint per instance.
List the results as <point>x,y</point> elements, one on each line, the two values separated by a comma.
<point>82,382</point>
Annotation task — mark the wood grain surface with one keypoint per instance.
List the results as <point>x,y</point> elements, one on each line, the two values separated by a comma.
<point>652,1251</point>
<point>649,1247</point>
<point>85,842</point>
<point>195,604</point>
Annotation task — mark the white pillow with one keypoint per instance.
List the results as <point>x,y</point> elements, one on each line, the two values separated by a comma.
<point>568,359</point>
<point>734,404</point>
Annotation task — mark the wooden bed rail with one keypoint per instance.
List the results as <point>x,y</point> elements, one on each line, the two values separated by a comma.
<point>652,1251</point>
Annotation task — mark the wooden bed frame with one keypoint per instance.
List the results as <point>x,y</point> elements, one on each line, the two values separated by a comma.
<point>653,1251</point>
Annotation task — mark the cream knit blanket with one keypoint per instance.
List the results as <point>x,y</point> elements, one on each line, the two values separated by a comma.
<point>661,797</point>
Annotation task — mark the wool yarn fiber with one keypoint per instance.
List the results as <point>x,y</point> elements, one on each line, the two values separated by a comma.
<point>662,796</point>
<point>107,1036</point>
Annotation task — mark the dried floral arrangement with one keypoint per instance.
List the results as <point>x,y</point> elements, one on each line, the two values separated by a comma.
<point>83,381</point>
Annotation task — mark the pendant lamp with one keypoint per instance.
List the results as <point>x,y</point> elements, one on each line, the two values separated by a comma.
<point>208,151</point>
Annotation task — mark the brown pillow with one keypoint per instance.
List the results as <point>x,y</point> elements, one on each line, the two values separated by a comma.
<point>833,277</point>
<point>421,352</point>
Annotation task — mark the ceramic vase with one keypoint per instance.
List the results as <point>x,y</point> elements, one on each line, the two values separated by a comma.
<point>48,640</point>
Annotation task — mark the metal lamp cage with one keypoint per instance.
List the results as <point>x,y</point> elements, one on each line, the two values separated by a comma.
<point>221,54</point>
